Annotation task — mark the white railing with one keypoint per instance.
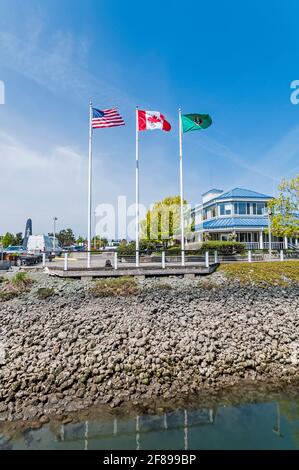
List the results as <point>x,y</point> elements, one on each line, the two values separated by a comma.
<point>162,260</point>
<point>251,245</point>
<point>274,245</point>
<point>292,246</point>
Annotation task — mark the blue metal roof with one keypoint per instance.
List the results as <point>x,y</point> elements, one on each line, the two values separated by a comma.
<point>242,193</point>
<point>233,222</point>
<point>213,190</point>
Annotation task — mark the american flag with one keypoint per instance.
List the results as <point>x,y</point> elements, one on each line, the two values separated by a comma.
<point>106,118</point>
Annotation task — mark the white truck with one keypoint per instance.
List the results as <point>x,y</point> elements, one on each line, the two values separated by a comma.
<point>43,244</point>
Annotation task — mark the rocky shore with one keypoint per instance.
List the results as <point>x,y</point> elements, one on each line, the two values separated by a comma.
<point>169,339</point>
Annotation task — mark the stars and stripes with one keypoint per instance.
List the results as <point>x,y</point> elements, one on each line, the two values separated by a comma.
<point>106,118</point>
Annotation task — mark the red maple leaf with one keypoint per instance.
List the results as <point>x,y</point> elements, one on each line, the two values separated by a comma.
<point>154,119</point>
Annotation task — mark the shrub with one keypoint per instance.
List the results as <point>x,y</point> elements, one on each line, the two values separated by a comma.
<point>126,249</point>
<point>19,284</point>
<point>45,292</point>
<point>21,279</point>
<point>129,249</point>
<point>174,250</point>
<point>122,286</point>
<point>223,247</point>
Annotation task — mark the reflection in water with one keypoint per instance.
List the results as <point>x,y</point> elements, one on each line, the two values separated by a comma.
<point>86,436</point>
<point>137,434</point>
<point>276,428</point>
<point>271,425</point>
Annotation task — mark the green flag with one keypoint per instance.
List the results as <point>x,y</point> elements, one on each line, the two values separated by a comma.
<point>194,122</point>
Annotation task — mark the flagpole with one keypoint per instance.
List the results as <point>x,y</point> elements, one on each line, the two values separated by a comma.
<point>89,187</point>
<point>181,188</point>
<point>137,190</point>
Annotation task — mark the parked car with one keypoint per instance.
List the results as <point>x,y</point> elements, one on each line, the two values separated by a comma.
<point>78,248</point>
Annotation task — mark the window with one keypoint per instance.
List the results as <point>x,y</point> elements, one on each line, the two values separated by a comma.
<point>260,207</point>
<point>242,208</point>
<point>225,209</point>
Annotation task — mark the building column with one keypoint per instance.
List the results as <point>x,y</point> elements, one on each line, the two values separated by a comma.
<point>261,241</point>
<point>285,243</point>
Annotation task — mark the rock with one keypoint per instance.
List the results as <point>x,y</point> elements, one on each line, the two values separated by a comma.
<point>73,350</point>
<point>62,335</point>
<point>80,393</point>
<point>44,419</point>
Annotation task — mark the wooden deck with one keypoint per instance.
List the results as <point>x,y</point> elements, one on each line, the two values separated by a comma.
<point>144,271</point>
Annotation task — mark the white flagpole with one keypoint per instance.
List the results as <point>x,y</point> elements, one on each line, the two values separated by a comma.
<point>181,188</point>
<point>89,186</point>
<point>137,190</point>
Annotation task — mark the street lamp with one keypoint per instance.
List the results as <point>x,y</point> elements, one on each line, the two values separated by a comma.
<point>269,232</point>
<point>54,233</point>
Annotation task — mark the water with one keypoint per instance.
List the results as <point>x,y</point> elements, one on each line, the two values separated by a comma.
<point>266,424</point>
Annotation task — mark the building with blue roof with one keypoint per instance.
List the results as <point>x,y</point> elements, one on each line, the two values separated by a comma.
<point>238,214</point>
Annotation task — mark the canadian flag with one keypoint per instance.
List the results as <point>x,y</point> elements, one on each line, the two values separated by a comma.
<point>149,120</point>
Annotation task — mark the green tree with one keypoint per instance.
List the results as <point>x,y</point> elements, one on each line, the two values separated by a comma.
<point>285,209</point>
<point>7,239</point>
<point>99,242</point>
<point>65,237</point>
<point>163,221</point>
<point>18,239</point>
<point>80,240</point>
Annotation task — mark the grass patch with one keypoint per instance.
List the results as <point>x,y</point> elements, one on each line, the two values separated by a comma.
<point>163,286</point>
<point>6,295</point>
<point>45,292</point>
<point>21,279</point>
<point>16,286</point>
<point>264,273</point>
<point>207,284</point>
<point>121,286</point>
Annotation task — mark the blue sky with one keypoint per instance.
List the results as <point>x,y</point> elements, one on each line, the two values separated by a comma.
<point>234,60</point>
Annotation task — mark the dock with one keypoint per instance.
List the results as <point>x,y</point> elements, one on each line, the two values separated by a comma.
<point>189,271</point>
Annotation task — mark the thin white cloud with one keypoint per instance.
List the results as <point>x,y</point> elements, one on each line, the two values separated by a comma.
<point>214,147</point>
<point>53,181</point>
<point>56,62</point>
<point>284,153</point>
<point>39,184</point>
